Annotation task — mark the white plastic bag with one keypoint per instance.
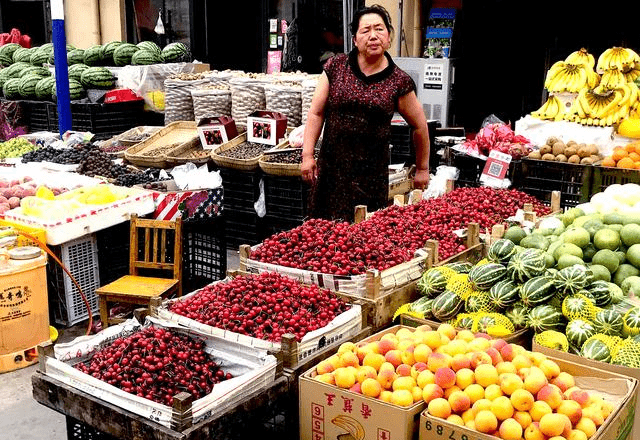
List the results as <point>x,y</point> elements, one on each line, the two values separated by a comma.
<point>190,177</point>
<point>438,183</point>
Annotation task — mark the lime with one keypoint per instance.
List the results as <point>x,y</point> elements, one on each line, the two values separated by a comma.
<point>515,233</point>
<point>577,235</point>
<point>624,271</point>
<point>606,238</point>
<point>600,272</point>
<point>633,255</point>
<point>567,248</point>
<point>630,234</point>
<point>606,258</point>
<point>567,260</point>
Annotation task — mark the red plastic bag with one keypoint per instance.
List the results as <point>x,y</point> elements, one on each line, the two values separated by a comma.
<point>25,41</point>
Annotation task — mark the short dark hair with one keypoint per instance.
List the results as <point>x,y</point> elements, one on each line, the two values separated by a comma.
<point>373,9</point>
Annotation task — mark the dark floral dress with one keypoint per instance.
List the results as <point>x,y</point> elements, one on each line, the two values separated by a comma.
<point>354,156</point>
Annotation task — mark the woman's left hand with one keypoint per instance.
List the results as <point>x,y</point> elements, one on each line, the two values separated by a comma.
<point>421,179</point>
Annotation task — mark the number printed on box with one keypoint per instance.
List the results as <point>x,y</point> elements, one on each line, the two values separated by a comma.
<point>383,434</point>
<point>317,421</point>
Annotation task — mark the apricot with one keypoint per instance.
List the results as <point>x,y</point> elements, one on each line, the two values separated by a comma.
<point>475,392</point>
<point>539,409</point>
<point>459,402</point>
<point>586,425</point>
<point>486,421</point>
<point>327,378</point>
<point>493,391</point>
<point>403,383</point>
<point>522,400</point>
<point>502,408</point>
<point>510,429</point>
<point>349,359</point>
<point>550,394</point>
<point>374,360</point>
<point>564,381</point>
<point>404,370</point>
<point>432,391</point>
<point>455,419</point>
<point>402,397</point>
<point>394,357</point>
<point>509,382</point>
<point>371,387</point>
<point>571,409</point>
<point>439,407</point>
<point>555,424</point>
<point>344,378</point>
<point>386,378</point>
<point>445,377</point>
<point>425,377</point>
<point>550,369</point>
<point>460,361</point>
<point>464,378</point>
<point>421,353</point>
<point>532,432</point>
<point>523,417</point>
<point>535,380</point>
<point>365,372</point>
<point>486,374</point>
<point>576,434</point>
<point>438,360</point>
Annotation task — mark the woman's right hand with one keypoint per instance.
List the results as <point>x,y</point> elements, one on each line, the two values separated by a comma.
<point>309,169</point>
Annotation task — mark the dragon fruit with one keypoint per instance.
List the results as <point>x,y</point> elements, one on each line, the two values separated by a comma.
<point>499,137</point>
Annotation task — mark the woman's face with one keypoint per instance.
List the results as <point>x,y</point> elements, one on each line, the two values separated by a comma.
<point>372,38</point>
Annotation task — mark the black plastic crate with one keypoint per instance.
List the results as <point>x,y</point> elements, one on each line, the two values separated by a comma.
<point>286,196</point>
<point>604,177</point>
<point>103,120</point>
<point>540,177</point>
<point>243,227</point>
<point>204,253</point>
<point>275,224</point>
<point>113,252</point>
<point>241,188</point>
<point>37,115</point>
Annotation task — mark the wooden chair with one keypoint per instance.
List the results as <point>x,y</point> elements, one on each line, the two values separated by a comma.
<point>151,259</point>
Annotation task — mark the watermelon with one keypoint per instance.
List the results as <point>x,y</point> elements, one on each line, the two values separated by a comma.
<point>537,290</point>
<point>76,91</point>
<point>578,306</point>
<point>480,302</point>
<point>504,293</point>
<point>13,71</point>
<point>5,60</point>
<point>122,54</point>
<point>150,46</point>
<point>35,70</point>
<point>93,55</point>
<point>145,57</point>
<point>23,55</point>
<point>27,86</point>
<point>39,57</point>
<point>44,88</point>
<point>97,78</point>
<point>608,322</point>
<point>6,53</point>
<point>108,50</point>
<point>465,322</point>
<point>175,53</point>
<point>501,250</point>
<point>526,264</point>
<point>545,317</point>
<point>11,88</point>
<point>484,276</point>
<point>596,350</point>
<point>578,331</point>
<point>76,56</point>
<point>422,305</point>
<point>571,279</point>
<point>446,305</point>
<point>75,71</point>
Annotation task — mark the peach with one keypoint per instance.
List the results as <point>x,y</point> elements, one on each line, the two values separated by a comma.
<point>480,358</point>
<point>349,359</point>
<point>385,396</point>
<point>404,333</point>
<point>509,382</point>
<point>374,360</point>
<point>539,409</point>
<point>361,352</point>
<point>521,361</point>
<point>387,366</point>
<point>385,345</point>
<point>507,352</point>
<point>486,374</point>
<point>550,394</point>
<point>506,367</point>
<point>405,344</point>
<point>445,377</point>
<point>494,354</point>
<point>555,424</point>
<point>438,360</point>
<point>571,409</point>
<point>468,415</point>
<point>576,434</point>
<point>416,392</point>
<point>471,424</point>
<point>522,400</point>
<point>403,370</point>
<point>522,417</point>
<point>365,372</point>
<point>536,357</point>
<point>421,353</point>
<point>455,419</point>
<point>448,330</point>
<point>402,397</point>
<point>486,422</point>
<point>356,388</point>
<point>564,381</point>
<point>481,405</point>
<point>431,391</point>
<point>502,408</point>
<point>324,367</point>
<point>455,347</point>
<point>406,355</point>
<point>432,339</point>
<point>482,341</point>
<point>370,387</point>
<point>493,391</point>
<point>344,377</point>
<point>532,432</point>
<point>475,392</point>
<point>335,361</point>
<point>594,413</point>
<point>439,407</point>
<point>535,380</point>
<point>460,361</point>
<point>417,368</point>
<point>404,383</point>
<point>510,429</point>
<point>326,378</point>
<point>393,357</point>
<point>586,425</point>
<point>580,396</point>
<point>425,377</point>
<point>459,402</point>
<point>347,347</point>
<point>550,369</point>
<point>451,390</point>
<point>465,335</point>
<point>386,378</point>
<point>464,378</point>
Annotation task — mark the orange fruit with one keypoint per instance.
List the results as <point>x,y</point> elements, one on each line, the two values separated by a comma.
<point>608,162</point>
<point>630,148</point>
<point>634,156</point>
<point>625,162</point>
<point>619,153</point>
<point>636,165</point>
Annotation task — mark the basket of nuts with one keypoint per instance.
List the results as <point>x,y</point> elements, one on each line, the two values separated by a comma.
<point>282,161</point>
<point>152,152</point>
<point>239,154</point>
<point>190,151</point>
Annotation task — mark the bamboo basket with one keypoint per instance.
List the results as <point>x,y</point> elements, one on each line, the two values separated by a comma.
<point>229,162</point>
<point>159,144</point>
<point>190,151</point>
<point>280,169</point>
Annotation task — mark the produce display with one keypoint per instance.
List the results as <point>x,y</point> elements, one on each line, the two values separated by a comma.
<point>571,151</point>
<point>245,150</point>
<point>627,156</point>
<point>392,235</point>
<point>12,192</point>
<point>287,157</point>
<point>470,380</point>
<point>156,364</point>
<point>16,147</point>
<point>499,137</point>
<point>605,93</point>
<point>263,306</point>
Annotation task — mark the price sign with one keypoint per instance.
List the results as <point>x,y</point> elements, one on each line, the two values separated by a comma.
<point>495,169</point>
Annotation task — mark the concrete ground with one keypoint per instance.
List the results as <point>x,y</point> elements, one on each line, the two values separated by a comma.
<point>21,417</point>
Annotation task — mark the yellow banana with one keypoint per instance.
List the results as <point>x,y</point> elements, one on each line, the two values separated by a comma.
<point>612,78</point>
<point>582,57</point>
<point>555,82</point>
<point>350,425</point>
<point>553,108</point>
<point>611,104</point>
<point>626,94</point>
<point>584,102</point>
<point>633,73</point>
<point>593,79</point>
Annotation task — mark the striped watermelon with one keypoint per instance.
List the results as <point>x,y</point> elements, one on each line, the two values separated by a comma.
<point>537,290</point>
<point>44,88</point>
<point>23,55</point>
<point>11,88</point>
<point>460,266</point>
<point>145,57</point>
<point>600,290</point>
<point>76,91</point>
<point>578,306</point>
<point>596,350</point>
<point>36,70</point>
<point>631,321</point>
<point>150,46</point>
<point>176,52</point>
<point>465,322</point>
<point>13,71</point>
<point>76,56</point>
<point>108,50</point>
<point>446,305</point>
<point>27,86</point>
<point>504,293</point>
<point>545,317</point>
<point>432,282</point>
<point>97,78</point>
<point>75,71</point>
<point>578,331</point>
<point>608,322</point>
<point>123,53</point>
<point>39,57</point>
<point>481,302</point>
<point>484,276</point>
<point>526,264</point>
<point>501,250</point>
<point>93,55</point>
<point>518,314</point>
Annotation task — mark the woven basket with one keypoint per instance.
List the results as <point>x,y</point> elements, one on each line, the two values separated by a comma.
<point>160,143</point>
<point>190,151</point>
<point>229,162</point>
<point>280,169</point>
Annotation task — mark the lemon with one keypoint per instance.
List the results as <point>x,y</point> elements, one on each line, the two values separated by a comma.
<point>44,193</point>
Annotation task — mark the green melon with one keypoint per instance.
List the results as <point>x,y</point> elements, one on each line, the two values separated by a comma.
<point>123,53</point>
<point>596,350</point>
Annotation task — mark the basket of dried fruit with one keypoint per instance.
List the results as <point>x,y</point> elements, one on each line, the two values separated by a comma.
<point>239,154</point>
<point>117,145</point>
<point>190,151</point>
<point>152,152</point>
<point>282,162</point>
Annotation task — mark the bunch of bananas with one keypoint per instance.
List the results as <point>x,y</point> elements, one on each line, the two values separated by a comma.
<point>622,58</point>
<point>581,57</point>
<point>567,77</point>
<point>603,106</point>
<point>552,109</point>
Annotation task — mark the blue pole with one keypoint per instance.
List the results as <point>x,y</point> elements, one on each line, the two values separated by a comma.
<point>62,75</point>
